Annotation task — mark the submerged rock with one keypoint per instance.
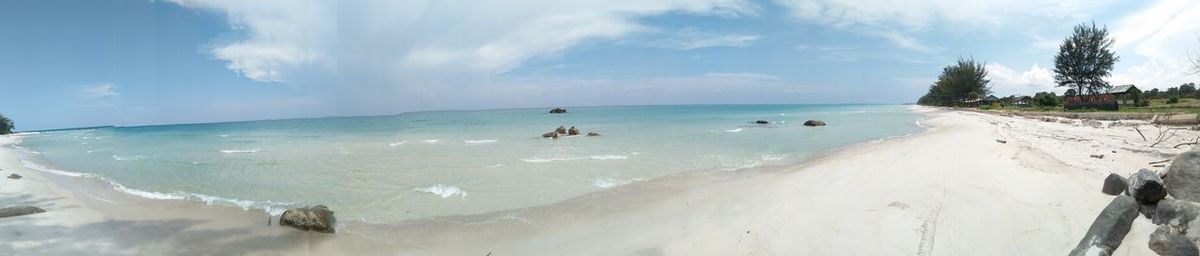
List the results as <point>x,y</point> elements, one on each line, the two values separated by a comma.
<point>1109,228</point>
<point>558,111</point>
<point>1167,240</point>
<point>19,210</point>
<point>15,176</point>
<point>593,134</point>
<point>552,135</point>
<point>316,218</point>
<point>1146,187</point>
<point>1114,184</point>
<point>560,130</point>
<point>1183,177</point>
<point>814,123</point>
<point>762,122</point>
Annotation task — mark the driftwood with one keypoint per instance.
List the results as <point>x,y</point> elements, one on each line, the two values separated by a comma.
<point>1140,133</point>
<point>1163,136</point>
<point>1161,161</point>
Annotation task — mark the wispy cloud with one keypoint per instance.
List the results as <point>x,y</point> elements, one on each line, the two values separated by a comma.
<point>693,38</point>
<point>97,91</point>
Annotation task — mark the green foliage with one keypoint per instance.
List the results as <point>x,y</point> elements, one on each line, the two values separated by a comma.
<point>1187,90</point>
<point>6,125</point>
<point>1173,100</point>
<point>1084,59</point>
<point>1045,99</point>
<point>965,80</point>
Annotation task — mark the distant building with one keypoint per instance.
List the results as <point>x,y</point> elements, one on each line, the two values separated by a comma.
<point>1123,93</point>
<point>1023,101</point>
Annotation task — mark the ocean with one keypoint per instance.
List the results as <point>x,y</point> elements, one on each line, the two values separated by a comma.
<point>383,169</point>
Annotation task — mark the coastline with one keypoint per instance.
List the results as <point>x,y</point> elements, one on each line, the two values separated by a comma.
<point>937,192</point>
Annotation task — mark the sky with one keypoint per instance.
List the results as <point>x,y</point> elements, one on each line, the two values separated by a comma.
<point>72,63</point>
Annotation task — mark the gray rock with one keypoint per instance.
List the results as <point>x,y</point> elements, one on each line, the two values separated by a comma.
<point>593,134</point>
<point>1097,156</point>
<point>1178,213</point>
<point>552,135</point>
<point>15,176</point>
<point>572,131</point>
<point>1170,241</point>
<point>1109,228</point>
<point>1183,177</point>
<point>814,123</point>
<point>1146,187</point>
<point>19,210</point>
<point>1092,123</point>
<point>316,218</point>
<point>1114,184</point>
<point>762,122</point>
<point>561,130</point>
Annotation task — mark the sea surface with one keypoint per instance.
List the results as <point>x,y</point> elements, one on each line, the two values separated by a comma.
<point>416,165</point>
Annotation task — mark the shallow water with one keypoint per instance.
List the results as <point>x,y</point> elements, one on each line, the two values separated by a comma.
<point>414,165</point>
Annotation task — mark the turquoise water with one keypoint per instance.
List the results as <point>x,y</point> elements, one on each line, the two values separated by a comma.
<point>414,165</point>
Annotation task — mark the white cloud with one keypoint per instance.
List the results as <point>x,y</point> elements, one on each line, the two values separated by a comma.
<point>1160,39</point>
<point>97,91</point>
<point>1006,81</point>
<point>692,38</point>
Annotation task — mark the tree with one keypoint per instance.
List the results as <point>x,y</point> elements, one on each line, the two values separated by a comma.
<point>965,80</point>
<point>1173,91</point>
<point>1084,59</point>
<point>1187,89</point>
<point>1045,99</point>
<point>6,125</point>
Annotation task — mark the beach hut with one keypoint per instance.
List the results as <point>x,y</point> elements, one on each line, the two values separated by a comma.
<point>1123,92</point>
<point>1023,101</point>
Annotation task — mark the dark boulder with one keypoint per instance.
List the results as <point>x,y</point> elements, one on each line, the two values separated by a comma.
<point>1146,187</point>
<point>15,176</point>
<point>572,131</point>
<point>1114,184</point>
<point>762,122</point>
<point>1170,241</point>
<point>558,111</point>
<point>1178,213</point>
<point>814,123</point>
<point>593,134</point>
<point>1183,177</point>
<point>316,218</point>
<point>561,130</point>
<point>552,135</point>
<point>19,210</point>
<point>1109,228</point>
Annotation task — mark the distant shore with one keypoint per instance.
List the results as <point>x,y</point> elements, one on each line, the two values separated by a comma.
<point>950,190</point>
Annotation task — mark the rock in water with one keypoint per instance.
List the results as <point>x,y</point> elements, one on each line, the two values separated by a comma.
<point>593,134</point>
<point>1114,184</point>
<point>14,176</point>
<point>1109,229</point>
<point>814,123</point>
<point>1183,177</point>
<point>19,210</point>
<point>558,111</point>
<point>1167,240</point>
<point>561,130</point>
<point>316,218</point>
<point>762,122</point>
<point>572,131</point>
<point>552,135</point>
<point>1146,187</point>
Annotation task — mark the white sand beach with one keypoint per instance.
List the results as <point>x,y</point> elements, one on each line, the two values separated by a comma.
<point>950,190</point>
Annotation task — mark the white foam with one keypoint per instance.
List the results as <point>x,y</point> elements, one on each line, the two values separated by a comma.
<point>479,141</point>
<point>443,191</point>
<point>609,157</point>
<point>734,130</point>
<point>239,151</point>
<point>743,166</point>
<point>430,141</point>
<point>40,168</point>
<point>782,114</point>
<point>543,160</point>
<point>223,135</point>
<point>394,144</point>
<point>771,157</point>
<point>606,183</point>
<point>494,165</point>
<point>146,194</point>
<point>128,158</point>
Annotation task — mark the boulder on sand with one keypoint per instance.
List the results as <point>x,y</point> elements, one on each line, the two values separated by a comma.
<point>1178,213</point>
<point>1114,184</point>
<point>561,130</point>
<point>814,123</point>
<point>19,210</point>
<point>558,111</point>
<point>1146,187</point>
<point>552,135</point>
<point>1183,177</point>
<point>316,218</point>
<point>1109,229</point>
<point>14,176</point>
<point>1167,240</point>
<point>572,131</point>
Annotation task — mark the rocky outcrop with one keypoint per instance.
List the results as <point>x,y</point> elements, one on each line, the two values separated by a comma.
<point>1183,177</point>
<point>1114,184</point>
<point>593,134</point>
<point>762,122</point>
<point>558,111</point>
<point>572,131</point>
<point>814,123</point>
<point>1167,240</point>
<point>19,210</point>
<point>14,176</point>
<point>1109,228</point>
<point>1146,187</point>
<point>552,135</point>
<point>560,130</point>
<point>316,218</point>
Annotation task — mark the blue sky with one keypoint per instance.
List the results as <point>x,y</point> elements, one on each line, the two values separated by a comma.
<point>66,63</point>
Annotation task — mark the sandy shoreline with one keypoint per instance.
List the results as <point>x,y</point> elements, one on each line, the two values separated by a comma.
<point>950,190</point>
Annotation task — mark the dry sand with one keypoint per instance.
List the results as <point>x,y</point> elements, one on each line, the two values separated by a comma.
<point>950,190</point>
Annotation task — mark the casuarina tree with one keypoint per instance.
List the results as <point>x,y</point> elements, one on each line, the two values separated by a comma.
<point>1084,59</point>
